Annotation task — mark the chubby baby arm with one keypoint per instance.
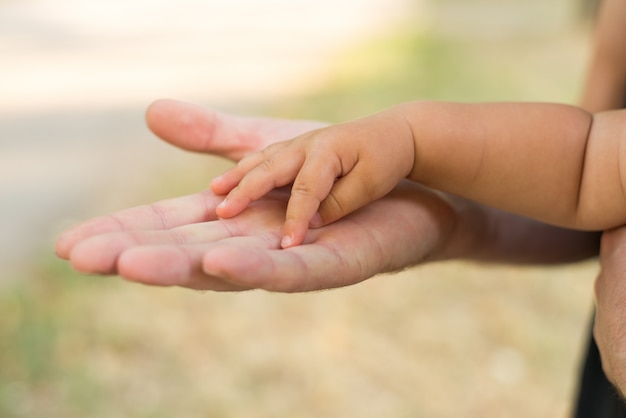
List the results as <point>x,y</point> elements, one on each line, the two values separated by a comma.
<point>552,162</point>
<point>334,171</point>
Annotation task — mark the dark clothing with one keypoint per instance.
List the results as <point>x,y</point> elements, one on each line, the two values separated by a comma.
<point>597,398</point>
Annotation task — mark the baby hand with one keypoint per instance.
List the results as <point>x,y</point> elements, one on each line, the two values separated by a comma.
<point>334,171</point>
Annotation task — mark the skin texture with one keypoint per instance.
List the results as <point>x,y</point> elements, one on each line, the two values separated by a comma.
<point>330,168</point>
<point>556,163</point>
<point>182,242</point>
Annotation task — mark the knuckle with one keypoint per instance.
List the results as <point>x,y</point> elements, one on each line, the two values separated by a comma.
<point>267,167</point>
<point>303,188</point>
<point>265,155</point>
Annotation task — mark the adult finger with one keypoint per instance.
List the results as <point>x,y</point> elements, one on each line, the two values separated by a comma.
<point>161,215</point>
<point>181,265</point>
<point>99,254</point>
<point>170,266</point>
<point>297,269</point>
<point>365,243</point>
<point>201,129</point>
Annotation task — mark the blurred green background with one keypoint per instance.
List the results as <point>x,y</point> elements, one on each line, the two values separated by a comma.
<point>441,340</point>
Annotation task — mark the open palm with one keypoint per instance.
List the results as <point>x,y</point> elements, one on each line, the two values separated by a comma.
<point>181,242</point>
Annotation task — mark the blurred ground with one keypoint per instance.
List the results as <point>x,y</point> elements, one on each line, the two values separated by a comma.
<point>452,339</point>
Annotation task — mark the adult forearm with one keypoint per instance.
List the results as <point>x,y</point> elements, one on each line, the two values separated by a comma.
<point>515,239</point>
<point>491,235</point>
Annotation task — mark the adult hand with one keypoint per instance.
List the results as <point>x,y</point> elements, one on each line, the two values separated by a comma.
<point>181,242</point>
<point>610,322</point>
<point>200,129</point>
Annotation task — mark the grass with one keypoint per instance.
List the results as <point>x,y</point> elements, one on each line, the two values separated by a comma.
<point>442,340</point>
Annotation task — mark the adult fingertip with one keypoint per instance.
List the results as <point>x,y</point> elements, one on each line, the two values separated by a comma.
<point>85,258</point>
<point>161,104</point>
<point>155,109</point>
<point>154,266</point>
<point>242,267</point>
<point>68,239</point>
<point>62,247</point>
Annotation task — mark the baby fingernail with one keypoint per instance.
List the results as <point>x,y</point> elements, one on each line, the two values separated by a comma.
<point>216,180</point>
<point>286,241</point>
<point>223,204</point>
